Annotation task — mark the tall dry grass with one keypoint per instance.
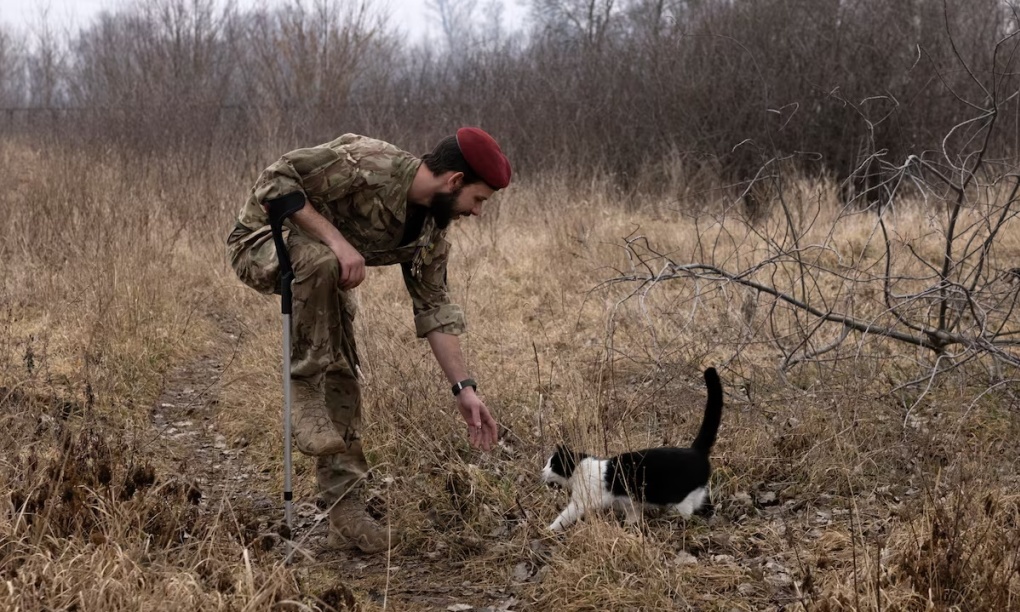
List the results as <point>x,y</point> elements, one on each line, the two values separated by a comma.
<point>828,494</point>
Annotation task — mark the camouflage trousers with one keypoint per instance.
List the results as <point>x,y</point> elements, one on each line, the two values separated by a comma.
<point>324,355</point>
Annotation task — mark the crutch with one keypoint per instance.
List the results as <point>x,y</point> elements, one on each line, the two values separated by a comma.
<point>279,209</point>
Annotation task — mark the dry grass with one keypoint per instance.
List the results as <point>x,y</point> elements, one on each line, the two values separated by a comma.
<point>827,495</point>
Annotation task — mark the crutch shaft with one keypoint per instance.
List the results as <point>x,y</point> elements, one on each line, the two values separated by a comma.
<point>279,209</point>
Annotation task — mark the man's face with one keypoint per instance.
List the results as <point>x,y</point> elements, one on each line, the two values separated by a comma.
<point>458,200</point>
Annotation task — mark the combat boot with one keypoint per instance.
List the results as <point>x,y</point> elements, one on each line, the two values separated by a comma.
<point>314,432</point>
<point>350,525</point>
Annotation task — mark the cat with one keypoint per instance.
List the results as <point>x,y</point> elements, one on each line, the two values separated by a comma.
<point>664,478</point>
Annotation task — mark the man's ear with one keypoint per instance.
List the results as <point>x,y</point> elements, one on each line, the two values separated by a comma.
<point>455,181</point>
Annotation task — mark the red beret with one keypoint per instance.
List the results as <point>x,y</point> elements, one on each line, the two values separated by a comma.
<point>484,156</point>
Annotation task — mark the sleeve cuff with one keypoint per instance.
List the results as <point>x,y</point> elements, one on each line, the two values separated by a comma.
<point>448,319</point>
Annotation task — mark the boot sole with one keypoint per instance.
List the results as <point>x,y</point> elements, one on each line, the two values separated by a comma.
<point>332,449</point>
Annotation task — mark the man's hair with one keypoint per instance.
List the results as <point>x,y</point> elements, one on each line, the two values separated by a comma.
<point>446,157</point>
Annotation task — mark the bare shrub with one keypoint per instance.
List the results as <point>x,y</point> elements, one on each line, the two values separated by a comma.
<point>944,289</point>
<point>963,550</point>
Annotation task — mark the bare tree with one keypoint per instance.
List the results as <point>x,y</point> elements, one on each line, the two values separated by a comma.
<point>46,68</point>
<point>660,96</point>
<point>455,18</point>
<point>649,20</point>
<point>305,60</point>
<point>589,21</point>
<point>169,59</point>
<point>493,28</point>
<point>12,78</point>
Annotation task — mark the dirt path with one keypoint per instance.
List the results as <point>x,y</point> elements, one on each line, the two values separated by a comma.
<point>184,419</point>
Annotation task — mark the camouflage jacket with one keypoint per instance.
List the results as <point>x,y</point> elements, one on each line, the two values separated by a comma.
<point>360,186</point>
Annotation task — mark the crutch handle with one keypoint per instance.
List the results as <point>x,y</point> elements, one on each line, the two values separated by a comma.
<point>279,209</point>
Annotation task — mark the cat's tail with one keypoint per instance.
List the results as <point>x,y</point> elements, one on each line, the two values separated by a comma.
<point>713,413</point>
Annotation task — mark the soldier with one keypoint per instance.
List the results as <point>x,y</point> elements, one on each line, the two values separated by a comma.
<point>367,203</point>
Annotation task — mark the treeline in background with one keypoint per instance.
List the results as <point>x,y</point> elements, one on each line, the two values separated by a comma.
<point>650,95</point>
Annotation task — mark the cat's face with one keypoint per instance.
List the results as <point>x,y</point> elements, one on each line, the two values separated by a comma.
<point>560,466</point>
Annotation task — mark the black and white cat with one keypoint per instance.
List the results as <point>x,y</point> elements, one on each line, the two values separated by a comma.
<point>663,478</point>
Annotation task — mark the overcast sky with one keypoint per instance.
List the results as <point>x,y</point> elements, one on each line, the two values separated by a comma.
<point>408,15</point>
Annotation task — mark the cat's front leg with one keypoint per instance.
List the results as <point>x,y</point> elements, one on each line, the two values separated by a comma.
<point>571,513</point>
<point>632,511</point>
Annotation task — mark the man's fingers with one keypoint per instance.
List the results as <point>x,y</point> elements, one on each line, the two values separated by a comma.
<point>352,272</point>
<point>345,275</point>
<point>356,276</point>
<point>491,427</point>
<point>483,431</point>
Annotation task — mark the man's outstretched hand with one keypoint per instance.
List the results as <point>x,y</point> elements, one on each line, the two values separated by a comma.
<point>483,431</point>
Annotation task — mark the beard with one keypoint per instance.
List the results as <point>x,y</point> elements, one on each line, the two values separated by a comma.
<point>441,206</point>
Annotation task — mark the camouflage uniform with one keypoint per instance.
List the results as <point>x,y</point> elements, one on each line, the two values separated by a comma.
<point>359,185</point>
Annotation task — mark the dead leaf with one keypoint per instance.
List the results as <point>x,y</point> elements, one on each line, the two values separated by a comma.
<point>685,558</point>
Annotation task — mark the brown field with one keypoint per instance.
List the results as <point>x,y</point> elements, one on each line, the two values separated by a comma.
<point>140,437</point>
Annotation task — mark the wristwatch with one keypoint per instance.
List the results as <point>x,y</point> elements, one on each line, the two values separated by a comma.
<point>467,382</point>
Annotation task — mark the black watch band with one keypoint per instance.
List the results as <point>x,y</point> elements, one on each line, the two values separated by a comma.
<point>467,382</point>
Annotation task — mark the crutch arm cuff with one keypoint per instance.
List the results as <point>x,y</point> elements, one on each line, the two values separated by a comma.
<point>282,207</point>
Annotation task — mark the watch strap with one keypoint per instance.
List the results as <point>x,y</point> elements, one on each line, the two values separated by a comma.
<point>467,382</point>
